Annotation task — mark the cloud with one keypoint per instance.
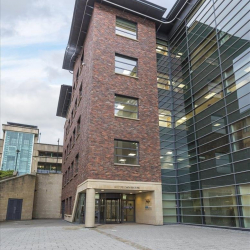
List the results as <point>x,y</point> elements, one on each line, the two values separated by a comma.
<point>35,22</point>
<point>30,90</point>
<point>34,37</point>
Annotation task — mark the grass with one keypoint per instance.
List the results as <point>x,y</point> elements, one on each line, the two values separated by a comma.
<point>6,173</point>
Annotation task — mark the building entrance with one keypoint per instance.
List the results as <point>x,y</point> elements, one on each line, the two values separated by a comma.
<point>114,208</point>
<point>113,211</point>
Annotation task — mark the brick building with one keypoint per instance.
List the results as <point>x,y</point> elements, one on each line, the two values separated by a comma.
<point>143,115</point>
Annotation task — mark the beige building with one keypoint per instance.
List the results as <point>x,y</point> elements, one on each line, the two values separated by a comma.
<point>34,189</point>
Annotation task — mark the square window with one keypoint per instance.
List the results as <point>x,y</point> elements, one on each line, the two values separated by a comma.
<point>126,65</point>
<point>126,152</point>
<point>126,107</point>
<point>126,28</point>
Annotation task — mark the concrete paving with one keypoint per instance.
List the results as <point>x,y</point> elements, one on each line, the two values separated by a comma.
<point>58,234</point>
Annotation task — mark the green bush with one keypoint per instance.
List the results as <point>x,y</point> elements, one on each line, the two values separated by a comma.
<point>6,173</point>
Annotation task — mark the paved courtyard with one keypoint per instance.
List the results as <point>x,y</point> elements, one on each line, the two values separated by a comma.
<point>58,234</point>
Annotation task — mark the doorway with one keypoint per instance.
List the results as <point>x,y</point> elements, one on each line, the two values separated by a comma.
<point>128,211</point>
<point>14,210</point>
<point>113,211</point>
<point>114,208</point>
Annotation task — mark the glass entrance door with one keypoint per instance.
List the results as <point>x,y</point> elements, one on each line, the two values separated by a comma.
<point>113,211</point>
<point>128,211</point>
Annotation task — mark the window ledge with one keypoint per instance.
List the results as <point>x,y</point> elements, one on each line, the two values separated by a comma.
<point>136,40</point>
<point>127,118</point>
<point>135,77</point>
<point>127,165</point>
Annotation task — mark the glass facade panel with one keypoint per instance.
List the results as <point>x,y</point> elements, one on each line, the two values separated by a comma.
<point>17,152</point>
<point>244,191</point>
<point>205,143</point>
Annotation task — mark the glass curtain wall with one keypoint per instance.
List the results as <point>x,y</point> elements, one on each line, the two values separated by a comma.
<point>210,134</point>
<point>166,126</point>
<point>17,152</point>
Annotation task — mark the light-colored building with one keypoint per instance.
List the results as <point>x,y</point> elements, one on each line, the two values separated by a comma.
<point>22,152</point>
<point>34,191</point>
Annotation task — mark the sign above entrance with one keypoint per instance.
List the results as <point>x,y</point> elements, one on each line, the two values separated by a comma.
<point>126,187</point>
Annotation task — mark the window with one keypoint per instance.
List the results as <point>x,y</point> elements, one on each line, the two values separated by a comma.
<point>82,58</point>
<point>165,118</point>
<point>50,154</point>
<point>74,136</point>
<point>76,163</point>
<point>126,28</point>
<point>78,125</point>
<point>126,152</point>
<point>126,107</point>
<point>75,107</point>
<point>161,47</point>
<point>77,75</point>
<point>125,65</point>
<point>80,92</point>
<point>70,143</point>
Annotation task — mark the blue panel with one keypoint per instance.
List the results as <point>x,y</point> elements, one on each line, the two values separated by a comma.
<point>21,161</point>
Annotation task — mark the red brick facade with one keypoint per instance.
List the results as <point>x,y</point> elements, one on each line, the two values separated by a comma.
<point>99,126</point>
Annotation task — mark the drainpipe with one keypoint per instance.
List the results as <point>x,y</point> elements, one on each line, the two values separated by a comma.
<point>139,13</point>
<point>136,12</point>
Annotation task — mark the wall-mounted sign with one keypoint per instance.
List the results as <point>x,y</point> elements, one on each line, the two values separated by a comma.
<point>148,204</point>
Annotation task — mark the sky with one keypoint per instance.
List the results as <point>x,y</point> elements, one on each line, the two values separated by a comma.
<point>34,35</point>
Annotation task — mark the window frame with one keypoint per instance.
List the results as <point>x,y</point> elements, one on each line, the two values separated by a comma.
<point>137,151</point>
<point>127,31</point>
<point>128,97</point>
<point>124,69</point>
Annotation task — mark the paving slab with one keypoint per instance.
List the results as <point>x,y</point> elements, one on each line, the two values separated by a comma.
<point>59,234</point>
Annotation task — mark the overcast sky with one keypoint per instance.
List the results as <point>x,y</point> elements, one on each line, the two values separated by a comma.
<point>34,35</point>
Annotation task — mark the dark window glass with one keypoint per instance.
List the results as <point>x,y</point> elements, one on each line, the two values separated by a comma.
<point>76,163</point>
<point>242,166</point>
<point>78,125</point>
<point>243,177</point>
<point>168,188</point>
<point>220,181</point>
<point>191,219</point>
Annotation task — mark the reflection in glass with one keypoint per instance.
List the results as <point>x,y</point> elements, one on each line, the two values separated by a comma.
<point>245,202</point>
<point>126,107</point>
<point>126,28</point>
<point>126,152</point>
<point>125,65</point>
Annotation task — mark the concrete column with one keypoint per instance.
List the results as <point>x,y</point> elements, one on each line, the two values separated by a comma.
<point>90,208</point>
